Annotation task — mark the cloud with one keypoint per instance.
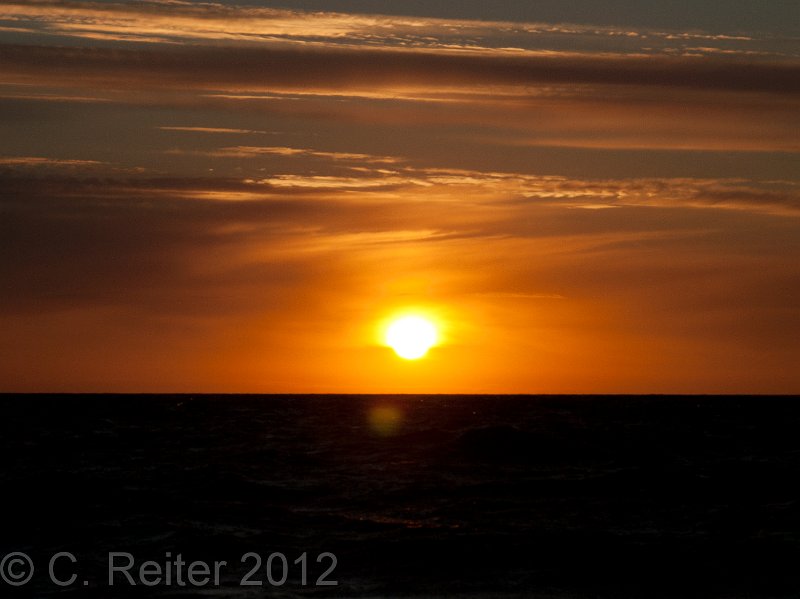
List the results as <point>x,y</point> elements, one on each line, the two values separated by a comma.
<point>184,22</point>
<point>45,165</point>
<point>271,69</point>
<point>198,269</point>
<point>608,117</point>
<point>255,151</point>
<point>581,97</point>
<point>156,241</point>
<point>41,161</point>
<point>570,101</point>
<point>223,130</point>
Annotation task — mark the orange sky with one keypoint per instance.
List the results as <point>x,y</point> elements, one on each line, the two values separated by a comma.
<point>216,198</point>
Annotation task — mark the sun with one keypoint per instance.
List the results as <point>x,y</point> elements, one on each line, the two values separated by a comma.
<point>411,336</point>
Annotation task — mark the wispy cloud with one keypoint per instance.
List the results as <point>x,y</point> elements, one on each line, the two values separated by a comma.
<point>212,130</point>
<point>616,102</point>
<point>255,151</point>
<point>149,22</point>
<point>42,161</point>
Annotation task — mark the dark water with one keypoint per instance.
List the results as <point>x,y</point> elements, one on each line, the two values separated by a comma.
<point>424,496</point>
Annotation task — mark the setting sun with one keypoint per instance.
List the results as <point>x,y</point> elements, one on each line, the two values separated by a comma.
<point>411,336</point>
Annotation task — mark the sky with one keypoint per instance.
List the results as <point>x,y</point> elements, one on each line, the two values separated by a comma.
<point>237,197</point>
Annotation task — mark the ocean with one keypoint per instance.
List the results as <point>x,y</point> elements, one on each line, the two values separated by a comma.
<point>617,497</point>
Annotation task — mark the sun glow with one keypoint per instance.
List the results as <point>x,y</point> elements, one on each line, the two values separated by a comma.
<point>411,336</point>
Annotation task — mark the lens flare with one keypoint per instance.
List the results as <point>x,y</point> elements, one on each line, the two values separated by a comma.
<point>384,420</point>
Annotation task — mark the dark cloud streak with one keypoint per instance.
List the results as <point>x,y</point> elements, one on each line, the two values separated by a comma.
<point>337,69</point>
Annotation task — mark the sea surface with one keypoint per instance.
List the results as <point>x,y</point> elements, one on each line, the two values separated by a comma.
<point>404,496</point>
